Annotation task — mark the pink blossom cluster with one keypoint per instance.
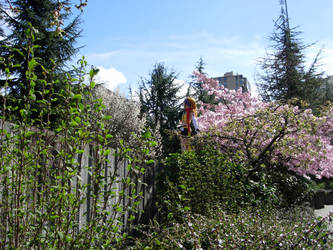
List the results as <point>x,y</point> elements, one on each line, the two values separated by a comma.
<point>260,132</point>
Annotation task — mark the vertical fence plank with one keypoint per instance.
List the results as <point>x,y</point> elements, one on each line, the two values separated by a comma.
<point>84,163</point>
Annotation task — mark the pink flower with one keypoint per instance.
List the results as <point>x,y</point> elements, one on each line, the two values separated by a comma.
<point>295,137</point>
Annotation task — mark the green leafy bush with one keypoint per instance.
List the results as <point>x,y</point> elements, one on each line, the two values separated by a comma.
<point>42,187</point>
<point>208,179</point>
<point>246,229</point>
<point>204,178</point>
<point>291,189</point>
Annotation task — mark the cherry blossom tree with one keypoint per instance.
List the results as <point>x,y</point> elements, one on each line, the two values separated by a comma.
<point>265,134</point>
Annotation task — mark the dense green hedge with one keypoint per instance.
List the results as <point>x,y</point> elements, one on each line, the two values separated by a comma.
<point>203,179</point>
<point>210,200</point>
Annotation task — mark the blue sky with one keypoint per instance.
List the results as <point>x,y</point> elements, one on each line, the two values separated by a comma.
<point>125,38</point>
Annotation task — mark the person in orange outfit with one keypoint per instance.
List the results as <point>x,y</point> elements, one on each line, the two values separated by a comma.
<point>188,118</point>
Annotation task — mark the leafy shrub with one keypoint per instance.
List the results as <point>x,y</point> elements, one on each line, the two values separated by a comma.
<point>204,178</point>
<point>171,142</point>
<point>41,183</point>
<point>201,181</point>
<point>246,229</point>
<point>291,188</point>
<point>208,178</point>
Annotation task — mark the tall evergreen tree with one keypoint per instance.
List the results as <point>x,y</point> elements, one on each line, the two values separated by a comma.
<point>159,100</point>
<point>284,75</point>
<point>53,36</point>
<point>195,89</point>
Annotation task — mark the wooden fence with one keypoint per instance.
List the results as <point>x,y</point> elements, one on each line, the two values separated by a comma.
<point>115,167</point>
<point>115,173</point>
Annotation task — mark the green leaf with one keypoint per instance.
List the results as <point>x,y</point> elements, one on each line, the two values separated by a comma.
<point>146,135</point>
<point>33,97</point>
<point>32,84</point>
<point>18,51</point>
<point>107,117</point>
<point>74,123</point>
<point>53,217</point>
<point>58,129</point>
<point>61,235</point>
<point>23,112</point>
<point>32,64</point>
<point>77,119</point>
<point>150,161</point>
<point>77,97</point>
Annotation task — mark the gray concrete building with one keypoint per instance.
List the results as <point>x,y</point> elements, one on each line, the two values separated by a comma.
<point>231,81</point>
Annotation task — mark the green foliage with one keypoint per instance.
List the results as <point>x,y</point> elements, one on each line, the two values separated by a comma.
<point>46,181</point>
<point>160,102</point>
<point>208,179</point>
<point>285,187</point>
<point>323,183</point>
<point>200,94</point>
<point>247,229</point>
<point>325,92</point>
<point>172,141</point>
<point>204,178</point>
<point>41,37</point>
<point>200,181</point>
<point>284,75</point>
<point>209,200</point>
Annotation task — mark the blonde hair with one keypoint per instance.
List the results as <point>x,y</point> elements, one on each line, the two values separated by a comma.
<point>192,104</point>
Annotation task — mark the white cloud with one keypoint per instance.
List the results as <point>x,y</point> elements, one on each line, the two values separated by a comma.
<point>110,77</point>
